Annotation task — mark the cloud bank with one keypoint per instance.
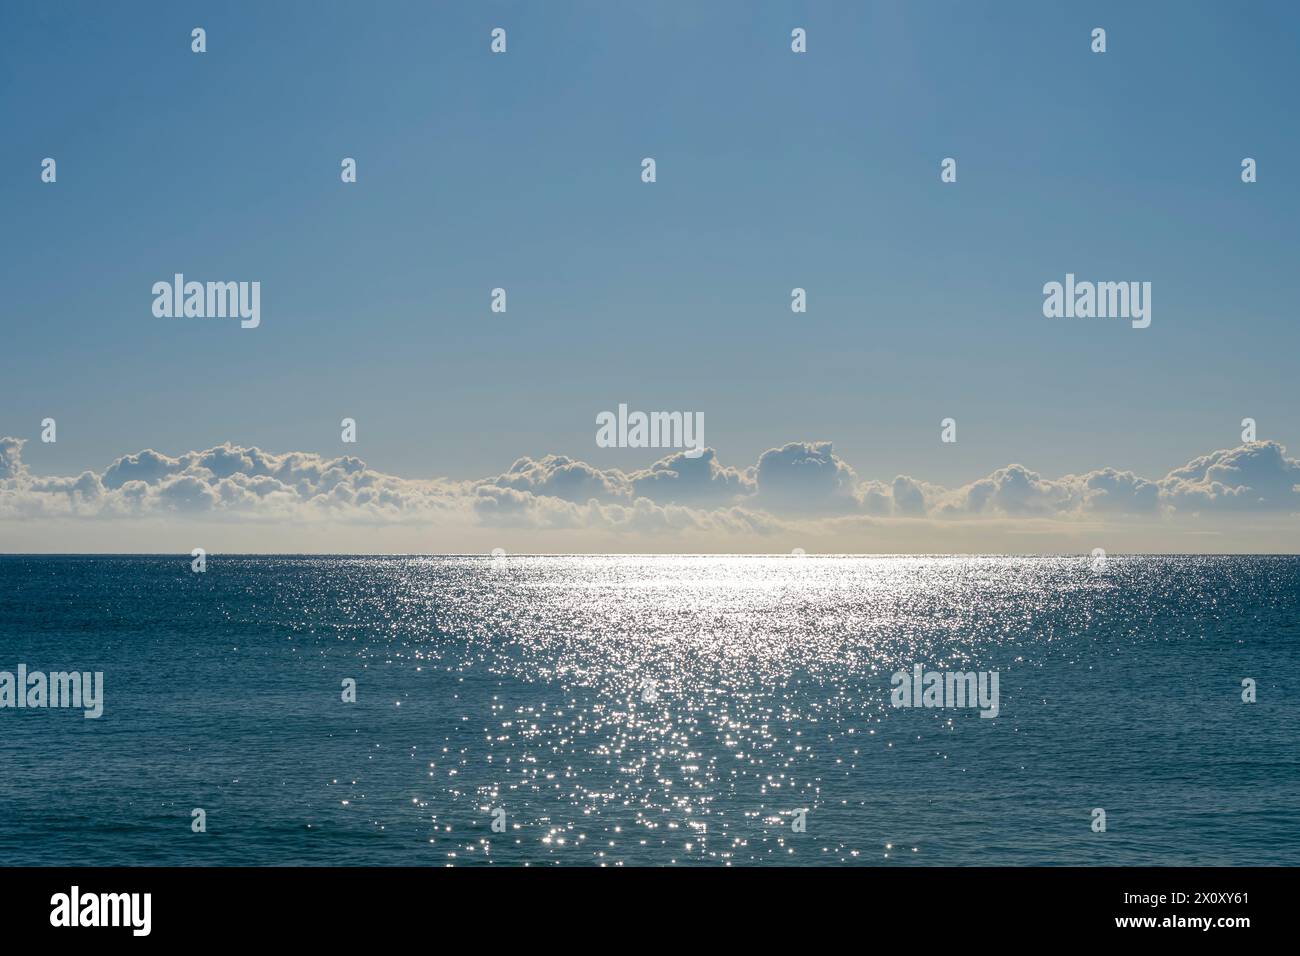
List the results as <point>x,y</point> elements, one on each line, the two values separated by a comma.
<point>801,485</point>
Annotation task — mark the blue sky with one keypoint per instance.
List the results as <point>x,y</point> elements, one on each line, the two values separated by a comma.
<point>775,170</point>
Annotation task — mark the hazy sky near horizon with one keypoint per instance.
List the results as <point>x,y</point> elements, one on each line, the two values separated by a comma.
<point>775,170</point>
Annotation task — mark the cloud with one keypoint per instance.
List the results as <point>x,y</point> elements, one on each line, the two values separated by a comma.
<point>679,479</point>
<point>1119,492</point>
<point>1015,490</point>
<point>226,480</point>
<point>147,466</point>
<point>909,496</point>
<point>1253,477</point>
<point>11,458</point>
<point>565,478</point>
<point>806,477</point>
<point>791,487</point>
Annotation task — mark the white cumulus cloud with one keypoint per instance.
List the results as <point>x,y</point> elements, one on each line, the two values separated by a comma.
<point>794,485</point>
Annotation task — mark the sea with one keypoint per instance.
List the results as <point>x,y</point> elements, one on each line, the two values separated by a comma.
<point>674,710</point>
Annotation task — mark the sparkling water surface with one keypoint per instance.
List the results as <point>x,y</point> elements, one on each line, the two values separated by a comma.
<point>522,684</point>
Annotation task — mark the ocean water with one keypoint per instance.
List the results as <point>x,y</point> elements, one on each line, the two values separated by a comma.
<point>522,685</point>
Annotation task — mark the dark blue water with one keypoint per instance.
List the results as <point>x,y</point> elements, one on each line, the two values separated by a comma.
<point>520,685</point>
